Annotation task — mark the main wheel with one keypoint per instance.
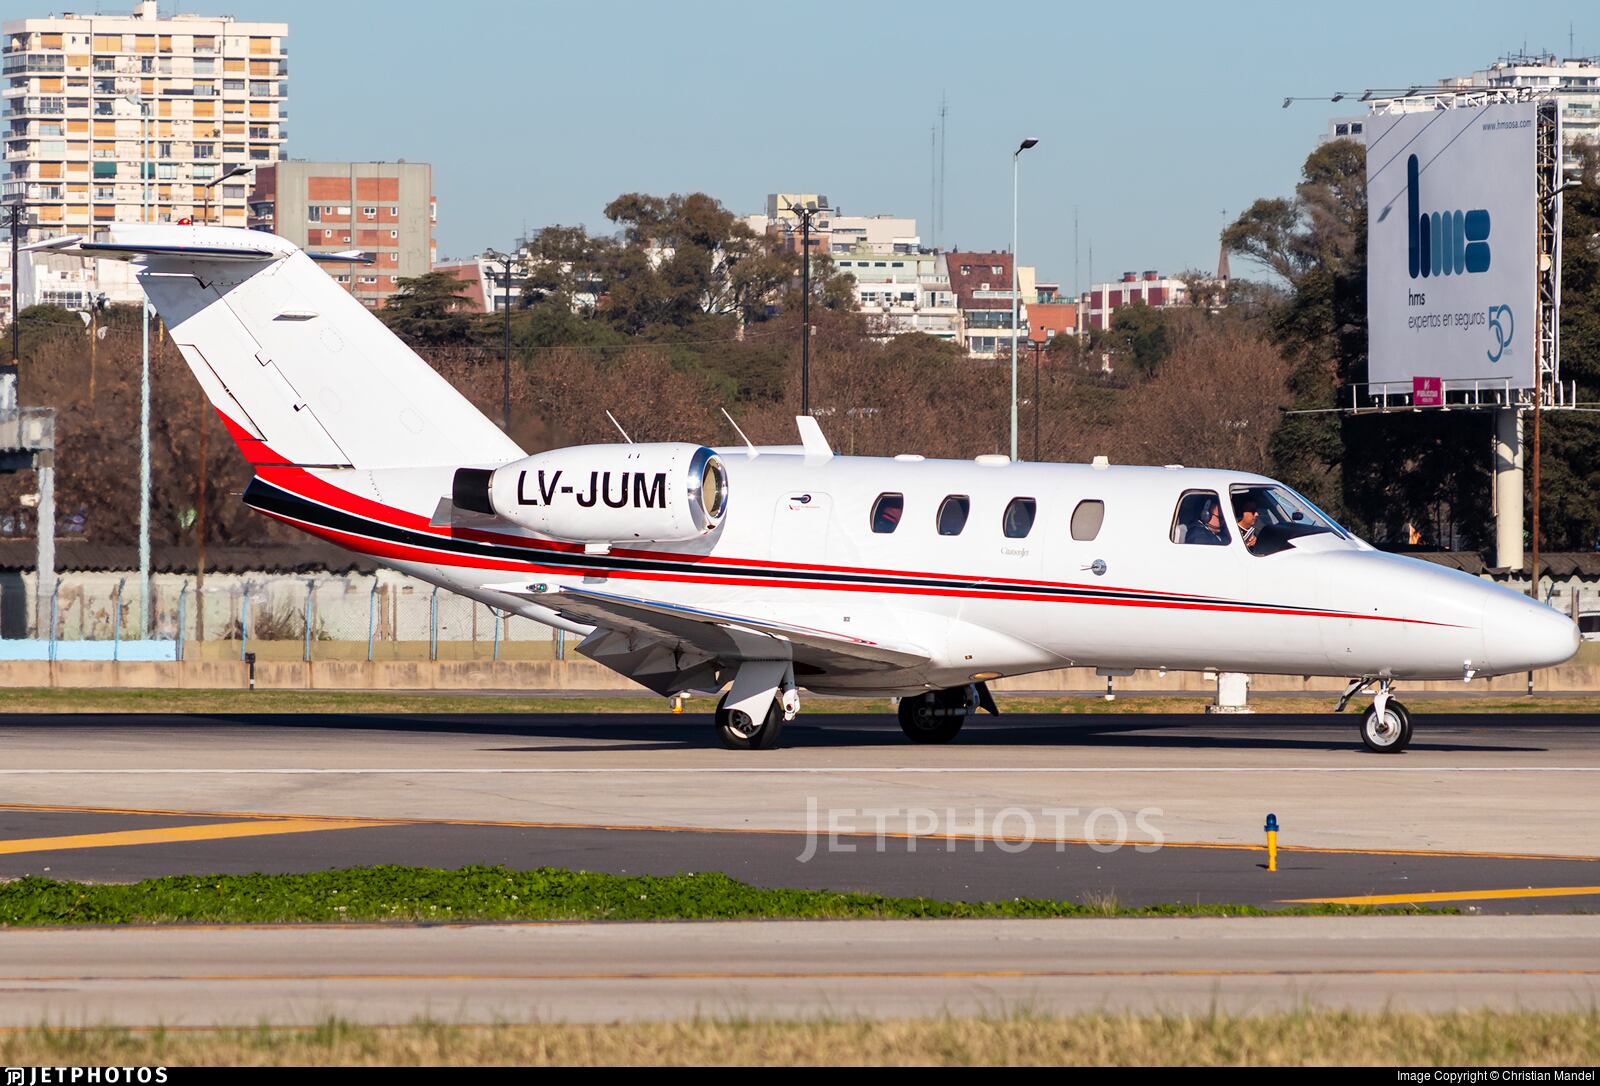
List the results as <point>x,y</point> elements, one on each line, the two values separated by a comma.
<point>1388,734</point>
<point>937,716</point>
<point>739,732</point>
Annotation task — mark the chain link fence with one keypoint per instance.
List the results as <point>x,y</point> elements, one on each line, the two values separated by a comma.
<point>356,617</point>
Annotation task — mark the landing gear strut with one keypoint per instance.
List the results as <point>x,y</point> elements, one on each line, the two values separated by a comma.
<point>937,716</point>
<point>1386,726</point>
<point>763,698</point>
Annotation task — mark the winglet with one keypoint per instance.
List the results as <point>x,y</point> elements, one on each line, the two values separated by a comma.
<point>811,438</point>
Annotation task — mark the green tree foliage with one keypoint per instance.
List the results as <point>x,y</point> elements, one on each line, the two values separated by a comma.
<point>429,310</point>
<point>1570,498</point>
<point>1139,336</point>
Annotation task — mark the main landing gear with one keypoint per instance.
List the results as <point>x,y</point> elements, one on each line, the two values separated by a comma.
<point>937,716</point>
<point>1386,725</point>
<point>763,698</point>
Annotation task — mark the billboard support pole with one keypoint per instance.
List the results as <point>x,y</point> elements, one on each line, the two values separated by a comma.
<point>1508,491</point>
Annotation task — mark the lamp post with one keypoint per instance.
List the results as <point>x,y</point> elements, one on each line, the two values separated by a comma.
<point>16,222</point>
<point>145,170</point>
<point>1016,157</point>
<point>805,213</point>
<point>232,171</point>
<point>508,265</point>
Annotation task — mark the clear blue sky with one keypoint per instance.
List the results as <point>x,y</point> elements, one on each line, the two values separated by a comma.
<point>1154,117</point>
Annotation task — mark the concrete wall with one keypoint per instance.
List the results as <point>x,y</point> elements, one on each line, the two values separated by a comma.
<point>577,674</point>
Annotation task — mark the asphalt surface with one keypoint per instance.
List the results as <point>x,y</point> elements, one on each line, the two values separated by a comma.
<point>1485,813</point>
<point>177,977</point>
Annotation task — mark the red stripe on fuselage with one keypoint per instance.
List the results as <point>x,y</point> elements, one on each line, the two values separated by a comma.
<point>404,553</point>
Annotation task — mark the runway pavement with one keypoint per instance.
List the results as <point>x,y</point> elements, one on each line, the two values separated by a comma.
<point>1489,813</point>
<point>179,977</point>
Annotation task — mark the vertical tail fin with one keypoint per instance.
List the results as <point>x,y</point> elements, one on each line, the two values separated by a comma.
<point>303,372</point>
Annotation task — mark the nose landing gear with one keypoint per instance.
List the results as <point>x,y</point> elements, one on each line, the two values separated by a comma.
<point>1386,725</point>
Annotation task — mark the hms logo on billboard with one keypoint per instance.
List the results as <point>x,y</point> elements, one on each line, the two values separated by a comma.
<point>1443,242</point>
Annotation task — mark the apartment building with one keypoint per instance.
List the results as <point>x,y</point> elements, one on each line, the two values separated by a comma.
<point>383,209</point>
<point>126,118</point>
<point>1150,288</point>
<point>982,286</point>
<point>903,292</point>
<point>878,234</point>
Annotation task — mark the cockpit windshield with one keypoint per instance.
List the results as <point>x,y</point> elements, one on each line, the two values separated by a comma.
<point>1270,518</point>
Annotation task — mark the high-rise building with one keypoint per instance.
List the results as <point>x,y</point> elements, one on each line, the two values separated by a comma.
<point>383,209</point>
<point>125,118</point>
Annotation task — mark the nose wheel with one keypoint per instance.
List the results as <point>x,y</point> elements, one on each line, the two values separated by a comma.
<point>1386,729</point>
<point>1386,725</point>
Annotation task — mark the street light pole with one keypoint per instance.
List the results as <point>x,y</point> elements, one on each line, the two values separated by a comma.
<point>1016,157</point>
<point>232,171</point>
<point>507,263</point>
<point>144,380</point>
<point>805,214</point>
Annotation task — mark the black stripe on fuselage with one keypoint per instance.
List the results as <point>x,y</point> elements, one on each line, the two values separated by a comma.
<point>271,498</point>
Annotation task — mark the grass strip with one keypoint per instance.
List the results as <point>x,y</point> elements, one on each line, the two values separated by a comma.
<point>1298,1037</point>
<point>394,893</point>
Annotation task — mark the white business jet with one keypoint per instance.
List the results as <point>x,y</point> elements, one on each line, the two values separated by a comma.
<point>688,568</point>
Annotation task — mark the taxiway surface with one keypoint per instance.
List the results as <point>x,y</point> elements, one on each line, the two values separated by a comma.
<point>1484,812</point>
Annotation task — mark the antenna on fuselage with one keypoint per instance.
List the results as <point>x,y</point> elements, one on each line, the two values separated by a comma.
<point>620,430</point>
<point>735,425</point>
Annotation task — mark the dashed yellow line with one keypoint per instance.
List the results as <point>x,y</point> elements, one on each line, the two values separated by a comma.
<point>209,831</point>
<point>932,838</point>
<point>1449,895</point>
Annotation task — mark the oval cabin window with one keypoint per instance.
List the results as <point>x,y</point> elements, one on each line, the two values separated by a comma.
<point>1087,518</point>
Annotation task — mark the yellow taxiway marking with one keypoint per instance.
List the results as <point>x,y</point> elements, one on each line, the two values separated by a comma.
<point>210,831</point>
<point>1448,895</point>
<point>648,827</point>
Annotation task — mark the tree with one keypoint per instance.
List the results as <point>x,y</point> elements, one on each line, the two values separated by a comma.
<point>428,310</point>
<point>1570,484</point>
<point>1139,337</point>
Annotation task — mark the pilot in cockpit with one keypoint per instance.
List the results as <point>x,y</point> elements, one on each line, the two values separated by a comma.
<point>1207,527</point>
<point>1244,509</point>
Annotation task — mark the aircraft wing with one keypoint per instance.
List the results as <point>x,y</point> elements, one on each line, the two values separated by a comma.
<point>727,637</point>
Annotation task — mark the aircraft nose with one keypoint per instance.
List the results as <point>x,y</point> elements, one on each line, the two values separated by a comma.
<point>1521,634</point>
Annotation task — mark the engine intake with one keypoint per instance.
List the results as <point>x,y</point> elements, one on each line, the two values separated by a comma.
<point>667,492</point>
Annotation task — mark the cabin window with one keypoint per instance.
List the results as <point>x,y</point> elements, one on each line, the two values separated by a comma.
<point>953,514</point>
<point>886,512</point>
<point>1018,519</point>
<point>1199,519</point>
<point>1087,518</point>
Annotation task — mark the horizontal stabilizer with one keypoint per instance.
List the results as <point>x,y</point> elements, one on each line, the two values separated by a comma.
<point>171,246</point>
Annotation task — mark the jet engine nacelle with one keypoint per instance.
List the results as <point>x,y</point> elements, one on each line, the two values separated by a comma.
<point>668,492</point>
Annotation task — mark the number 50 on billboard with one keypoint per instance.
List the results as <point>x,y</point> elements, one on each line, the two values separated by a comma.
<point>1452,253</point>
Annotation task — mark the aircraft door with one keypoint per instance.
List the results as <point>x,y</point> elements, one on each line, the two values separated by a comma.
<point>800,527</point>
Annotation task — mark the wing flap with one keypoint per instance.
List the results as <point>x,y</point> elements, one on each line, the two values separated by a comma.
<point>730,637</point>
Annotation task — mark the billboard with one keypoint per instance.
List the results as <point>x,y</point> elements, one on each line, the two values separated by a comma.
<point>1452,254</point>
